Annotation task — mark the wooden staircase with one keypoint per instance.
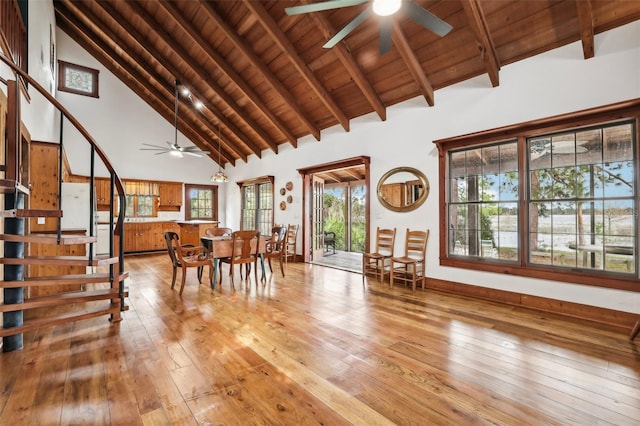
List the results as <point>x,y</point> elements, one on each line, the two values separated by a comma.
<point>31,302</point>
<point>50,310</point>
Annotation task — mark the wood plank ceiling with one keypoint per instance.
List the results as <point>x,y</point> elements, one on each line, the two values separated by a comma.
<point>265,79</point>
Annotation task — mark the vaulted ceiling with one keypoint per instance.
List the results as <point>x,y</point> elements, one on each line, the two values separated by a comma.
<point>266,80</point>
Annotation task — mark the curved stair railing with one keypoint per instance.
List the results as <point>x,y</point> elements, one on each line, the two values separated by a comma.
<point>14,238</point>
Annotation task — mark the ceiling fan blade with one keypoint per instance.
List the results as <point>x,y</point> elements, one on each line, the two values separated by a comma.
<point>188,149</point>
<point>325,5</point>
<point>426,19</point>
<point>154,146</point>
<point>348,28</point>
<point>385,35</point>
<point>163,152</point>
<point>154,149</point>
<point>194,153</point>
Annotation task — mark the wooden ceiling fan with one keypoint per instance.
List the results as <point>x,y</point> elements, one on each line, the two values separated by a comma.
<point>173,148</point>
<point>382,8</point>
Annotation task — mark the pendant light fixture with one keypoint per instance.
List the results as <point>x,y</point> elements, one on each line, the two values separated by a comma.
<point>219,176</point>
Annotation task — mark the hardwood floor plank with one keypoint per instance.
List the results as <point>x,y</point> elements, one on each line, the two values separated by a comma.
<point>119,386</point>
<point>318,347</point>
<point>85,400</point>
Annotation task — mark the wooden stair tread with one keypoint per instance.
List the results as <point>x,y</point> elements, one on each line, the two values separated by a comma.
<point>63,298</point>
<point>64,280</point>
<point>65,239</point>
<point>30,213</point>
<point>8,186</point>
<point>60,260</point>
<point>33,324</point>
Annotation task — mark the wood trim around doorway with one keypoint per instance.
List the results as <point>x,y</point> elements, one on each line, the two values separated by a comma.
<point>307,173</point>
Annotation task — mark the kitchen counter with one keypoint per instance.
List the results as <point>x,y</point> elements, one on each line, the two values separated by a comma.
<point>196,222</point>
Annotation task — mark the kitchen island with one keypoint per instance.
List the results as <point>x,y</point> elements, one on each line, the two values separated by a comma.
<point>192,230</point>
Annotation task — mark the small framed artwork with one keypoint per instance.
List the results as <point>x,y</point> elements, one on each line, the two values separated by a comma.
<point>289,186</point>
<point>282,191</point>
<point>289,199</point>
<point>77,79</point>
<point>283,205</point>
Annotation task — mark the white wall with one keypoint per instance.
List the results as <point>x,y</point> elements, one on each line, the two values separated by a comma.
<point>557,82</point>
<point>38,114</point>
<point>120,122</point>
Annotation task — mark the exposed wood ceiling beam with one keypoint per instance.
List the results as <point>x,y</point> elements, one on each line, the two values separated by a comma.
<point>269,77</point>
<point>585,20</point>
<point>173,71</point>
<point>269,24</point>
<point>355,173</point>
<point>197,69</point>
<point>331,176</point>
<point>478,24</point>
<point>131,64</point>
<point>104,54</point>
<point>219,61</point>
<point>350,64</point>
<point>412,63</point>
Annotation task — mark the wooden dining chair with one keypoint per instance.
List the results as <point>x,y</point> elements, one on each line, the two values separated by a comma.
<point>246,246</point>
<point>379,261</point>
<point>187,256</point>
<point>411,267</point>
<point>276,247</point>
<point>292,238</point>
<point>218,232</point>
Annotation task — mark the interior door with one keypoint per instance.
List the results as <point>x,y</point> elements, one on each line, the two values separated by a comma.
<point>317,218</point>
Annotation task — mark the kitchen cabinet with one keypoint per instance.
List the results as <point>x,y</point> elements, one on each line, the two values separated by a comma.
<point>170,195</point>
<point>143,236</point>
<point>103,193</point>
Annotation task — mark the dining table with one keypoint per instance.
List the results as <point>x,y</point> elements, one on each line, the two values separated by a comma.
<point>221,247</point>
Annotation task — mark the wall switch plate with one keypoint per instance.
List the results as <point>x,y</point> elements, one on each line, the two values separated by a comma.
<point>41,221</point>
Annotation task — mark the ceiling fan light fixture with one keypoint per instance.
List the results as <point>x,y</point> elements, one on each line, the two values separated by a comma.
<point>386,7</point>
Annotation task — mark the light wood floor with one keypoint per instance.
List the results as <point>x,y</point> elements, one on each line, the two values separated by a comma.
<point>318,347</point>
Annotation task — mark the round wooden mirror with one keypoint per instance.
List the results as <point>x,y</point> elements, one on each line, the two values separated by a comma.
<point>403,189</point>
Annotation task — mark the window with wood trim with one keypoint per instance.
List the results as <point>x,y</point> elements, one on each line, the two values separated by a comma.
<point>77,79</point>
<point>201,202</point>
<point>554,199</point>
<point>257,204</point>
<point>142,199</point>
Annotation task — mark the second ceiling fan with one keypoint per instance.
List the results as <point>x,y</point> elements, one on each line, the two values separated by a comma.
<point>172,147</point>
<point>382,8</point>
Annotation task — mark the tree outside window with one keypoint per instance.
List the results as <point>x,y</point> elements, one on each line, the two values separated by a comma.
<point>582,198</point>
<point>553,198</point>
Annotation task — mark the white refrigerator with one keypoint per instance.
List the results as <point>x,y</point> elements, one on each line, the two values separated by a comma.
<point>76,211</point>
